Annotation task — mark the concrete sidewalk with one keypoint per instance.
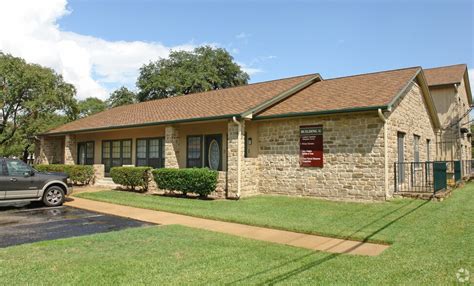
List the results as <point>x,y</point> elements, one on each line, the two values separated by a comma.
<point>313,242</point>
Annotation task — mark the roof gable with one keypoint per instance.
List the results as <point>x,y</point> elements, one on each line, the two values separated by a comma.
<point>372,90</point>
<point>445,75</point>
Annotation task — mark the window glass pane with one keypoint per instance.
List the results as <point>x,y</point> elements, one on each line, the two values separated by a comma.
<point>116,149</point>
<point>141,149</point>
<point>194,151</point>
<point>127,150</point>
<point>154,151</point>
<point>106,150</point>
<point>416,140</point>
<point>90,150</point>
<point>17,168</point>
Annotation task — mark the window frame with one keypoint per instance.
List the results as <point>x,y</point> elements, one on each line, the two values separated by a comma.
<point>201,151</point>
<point>161,149</point>
<point>86,159</point>
<point>111,158</point>
<point>416,149</point>
<point>428,147</point>
<point>7,173</point>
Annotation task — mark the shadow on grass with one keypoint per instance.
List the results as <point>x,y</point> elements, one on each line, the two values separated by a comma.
<point>288,274</point>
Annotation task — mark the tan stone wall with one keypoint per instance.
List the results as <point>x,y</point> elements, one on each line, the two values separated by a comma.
<point>232,161</point>
<point>70,149</point>
<point>451,105</point>
<point>49,150</point>
<point>353,158</point>
<point>410,116</point>
<point>171,147</point>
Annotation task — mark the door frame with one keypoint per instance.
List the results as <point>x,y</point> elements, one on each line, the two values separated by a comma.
<point>208,138</point>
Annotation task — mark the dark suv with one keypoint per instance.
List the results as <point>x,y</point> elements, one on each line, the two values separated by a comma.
<point>19,183</point>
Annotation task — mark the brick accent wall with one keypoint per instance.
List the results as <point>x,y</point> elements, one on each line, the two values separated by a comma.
<point>353,158</point>
<point>171,147</point>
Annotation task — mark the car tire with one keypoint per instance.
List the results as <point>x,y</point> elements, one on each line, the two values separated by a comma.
<point>53,196</point>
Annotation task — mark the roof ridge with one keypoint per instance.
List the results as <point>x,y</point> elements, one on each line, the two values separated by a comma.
<point>448,66</point>
<point>377,72</point>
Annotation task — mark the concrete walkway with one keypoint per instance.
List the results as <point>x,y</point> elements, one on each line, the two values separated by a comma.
<point>313,242</point>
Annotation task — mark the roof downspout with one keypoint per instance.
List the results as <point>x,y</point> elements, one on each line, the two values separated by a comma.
<point>239,155</point>
<point>385,150</point>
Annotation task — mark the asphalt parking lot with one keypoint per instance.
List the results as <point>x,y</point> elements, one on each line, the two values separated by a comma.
<point>25,223</point>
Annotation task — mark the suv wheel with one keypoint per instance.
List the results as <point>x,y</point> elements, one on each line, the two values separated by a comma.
<point>53,196</point>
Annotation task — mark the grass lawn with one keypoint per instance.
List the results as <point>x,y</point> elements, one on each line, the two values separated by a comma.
<point>431,241</point>
<point>376,222</point>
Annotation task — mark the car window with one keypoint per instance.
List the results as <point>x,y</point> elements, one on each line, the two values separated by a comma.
<point>2,171</point>
<point>17,168</point>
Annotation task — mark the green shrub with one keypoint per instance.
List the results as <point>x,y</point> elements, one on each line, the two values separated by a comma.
<point>79,174</point>
<point>131,177</point>
<point>195,180</point>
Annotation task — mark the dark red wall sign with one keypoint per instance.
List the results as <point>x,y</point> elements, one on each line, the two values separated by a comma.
<point>311,146</point>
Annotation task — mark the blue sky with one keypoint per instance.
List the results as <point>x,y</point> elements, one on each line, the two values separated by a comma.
<point>289,38</point>
<point>100,45</point>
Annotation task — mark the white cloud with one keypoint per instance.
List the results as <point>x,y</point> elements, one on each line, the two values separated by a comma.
<point>29,29</point>
<point>249,69</point>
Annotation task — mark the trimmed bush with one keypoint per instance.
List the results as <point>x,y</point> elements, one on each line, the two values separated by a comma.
<point>195,180</point>
<point>79,174</point>
<point>131,177</point>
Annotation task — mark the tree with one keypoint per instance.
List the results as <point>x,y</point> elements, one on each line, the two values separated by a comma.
<point>121,96</point>
<point>203,69</point>
<point>32,99</point>
<point>90,106</point>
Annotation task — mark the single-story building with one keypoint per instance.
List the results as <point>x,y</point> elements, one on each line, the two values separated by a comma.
<point>304,136</point>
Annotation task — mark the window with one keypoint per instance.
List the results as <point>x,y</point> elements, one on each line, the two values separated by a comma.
<point>416,148</point>
<point>116,153</point>
<point>428,141</point>
<point>3,170</point>
<point>17,168</point>
<point>401,157</point>
<point>150,152</point>
<point>194,152</point>
<point>85,153</point>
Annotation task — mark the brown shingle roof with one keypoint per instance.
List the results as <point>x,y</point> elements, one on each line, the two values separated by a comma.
<point>445,75</point>
<point>352,92</point>
<point>217,103</point>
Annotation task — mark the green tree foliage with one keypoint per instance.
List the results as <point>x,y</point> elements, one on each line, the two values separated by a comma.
<point>33,99</point>
<point>91,105</point>
<point>203,69</point>
<point>121,96</point>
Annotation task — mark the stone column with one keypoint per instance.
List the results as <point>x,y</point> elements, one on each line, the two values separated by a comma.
<point>70,152</point>
<point>233,158</point>
<point>48,150</point>
<point>171,147</point>
<point>40,151</point>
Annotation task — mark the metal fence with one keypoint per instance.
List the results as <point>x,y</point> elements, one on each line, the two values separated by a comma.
<point>413,177</point>
<point>430,177</point>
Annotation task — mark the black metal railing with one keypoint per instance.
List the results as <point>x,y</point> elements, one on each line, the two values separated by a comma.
<point>430,177</point>
<point>415,177</point>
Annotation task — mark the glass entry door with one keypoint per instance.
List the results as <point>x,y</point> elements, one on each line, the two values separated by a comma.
<point>116,153</point>
<point>213,152</point>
